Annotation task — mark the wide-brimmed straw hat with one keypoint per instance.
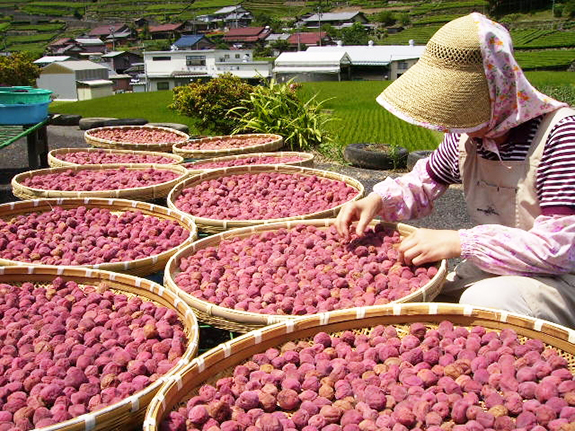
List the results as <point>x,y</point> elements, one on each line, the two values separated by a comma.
<point>446,89</point>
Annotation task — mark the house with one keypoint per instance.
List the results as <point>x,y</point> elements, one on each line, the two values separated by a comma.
<point>76,80</point>
<point>300,41</point>
<point>317,65</point>
<point>120,61</point>
<point>229,16</point>
<point>116,39</point>
<point>104,31</point>
<point>56,45</point>
<point>337,20</point>
<point>49,59</point>
<point>165,70</point>
<point>246,37</point>
<point>121,82</point>
<point>274,39</point>
<point>166,31</point>
<point>194,41</point>
<point>376,62</point>
<point>91,45</point>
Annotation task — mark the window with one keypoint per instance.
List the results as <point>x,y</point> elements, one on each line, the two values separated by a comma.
<point>195,60</point>
<point>237,55</point>
<point>162,58</point>
<point>402,65</point>
<point>163,86</point>
<point>226,56</point>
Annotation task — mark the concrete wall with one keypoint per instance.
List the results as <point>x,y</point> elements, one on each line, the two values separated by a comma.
<point>63,85</point>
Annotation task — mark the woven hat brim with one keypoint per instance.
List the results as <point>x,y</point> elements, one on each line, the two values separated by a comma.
<point>439,98</point>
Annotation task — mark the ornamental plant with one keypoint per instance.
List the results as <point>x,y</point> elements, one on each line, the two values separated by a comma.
<point>276,108</point>
<point>210,102</point>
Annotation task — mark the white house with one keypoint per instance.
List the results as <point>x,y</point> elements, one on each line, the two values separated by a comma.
<point>76,80</point>
<point>165,70</point>
<point>312,66</point>
<point>374,62</point>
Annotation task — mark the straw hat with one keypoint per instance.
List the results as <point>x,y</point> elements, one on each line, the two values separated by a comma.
<point>447,88</point>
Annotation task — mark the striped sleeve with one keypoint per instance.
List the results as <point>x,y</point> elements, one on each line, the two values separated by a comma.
<point>443,164</point>
<point>556,172</point>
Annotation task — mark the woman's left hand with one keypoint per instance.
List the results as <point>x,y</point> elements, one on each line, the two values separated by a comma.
<point>428,245</point>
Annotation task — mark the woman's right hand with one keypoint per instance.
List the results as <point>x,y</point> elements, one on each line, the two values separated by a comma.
<point>363,211</point>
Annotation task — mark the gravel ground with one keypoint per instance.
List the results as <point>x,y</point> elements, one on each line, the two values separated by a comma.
<point>449,212</point>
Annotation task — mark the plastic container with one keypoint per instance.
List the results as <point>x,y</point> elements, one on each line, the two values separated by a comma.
<point>23,114</point>
<point>24,95</point>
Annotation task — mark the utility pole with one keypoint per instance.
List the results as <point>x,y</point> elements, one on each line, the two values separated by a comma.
<point>113,38</point>
<point>319,20</point>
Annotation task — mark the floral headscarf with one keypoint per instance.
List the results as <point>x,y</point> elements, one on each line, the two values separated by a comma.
<point>513,99</point>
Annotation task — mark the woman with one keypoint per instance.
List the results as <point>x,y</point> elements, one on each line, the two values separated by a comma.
<point>512,148</point>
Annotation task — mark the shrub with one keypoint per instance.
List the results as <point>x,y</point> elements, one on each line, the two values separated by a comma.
<point>210,102</point>
<point>276,108</point>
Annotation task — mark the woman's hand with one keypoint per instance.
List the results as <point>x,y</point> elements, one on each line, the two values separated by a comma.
<point>363,211</point>
<point>428,245</point>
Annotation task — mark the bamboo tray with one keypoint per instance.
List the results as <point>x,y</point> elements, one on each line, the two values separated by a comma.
<point>275,144</point>
<point>147,193</point>
<point>128,413</point>
<point>156,146</point>
<point>220,361</point>
<point>55,161</point>
<point>244,321</point>
<point>141,267</point>
<point>306,160</point>
<point>215,225</point>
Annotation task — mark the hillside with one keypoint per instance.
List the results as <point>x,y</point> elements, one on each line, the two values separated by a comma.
<point>542,40</point>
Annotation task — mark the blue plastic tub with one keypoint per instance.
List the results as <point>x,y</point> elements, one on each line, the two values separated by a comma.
<point>23,114</point>
<point>24,95</point>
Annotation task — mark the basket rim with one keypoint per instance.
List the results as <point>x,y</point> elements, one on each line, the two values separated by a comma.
<point>306,157</point>
<point>144,126</point>
<point>38,204</point>
<point>200,368</point>
<point>246,317</point>
<point>216,173</point>
<point>16,180</point>
<point>276,143</point>
<point>190,322</point>
<point>52,154</point>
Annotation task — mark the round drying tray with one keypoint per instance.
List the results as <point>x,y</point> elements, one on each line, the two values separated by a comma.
<point>141,267</point>
<point>215,225</point>
<point>126,145</point>
<point>147,193</point>
<point>129,412</point>
<point>272,143</point>
<point>220,361</point>
<point>55,156</point>
<point>244,321</point>
<point>305,159</point>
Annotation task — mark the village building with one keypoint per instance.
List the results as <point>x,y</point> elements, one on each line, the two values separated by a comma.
<point>194,42</point>
<point>76,80</point>
<point>304,66</point>
<point>246,37</point>
<point>337,20</point>
<point>120,61</point>
<point>229,16</point>
<point>165,70</point>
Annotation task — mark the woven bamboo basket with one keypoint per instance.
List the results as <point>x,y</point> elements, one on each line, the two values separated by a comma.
<point>125,145</point>
<point>220,361</point>
<point>55,156</point>
<point>141,267</point>
<point>147,193</point>
<point>128,413</point>
<point>215,226</point>
<point>275,143</point>
<point>306,160</point>
<point>243,321</point>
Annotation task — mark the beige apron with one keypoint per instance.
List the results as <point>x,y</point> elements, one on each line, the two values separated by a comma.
<point>503,192</point>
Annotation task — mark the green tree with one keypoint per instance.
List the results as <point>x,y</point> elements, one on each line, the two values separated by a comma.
<point>385,17</point>
<point>18,69</point>
<point>355,35</point>
<point>569,8</point>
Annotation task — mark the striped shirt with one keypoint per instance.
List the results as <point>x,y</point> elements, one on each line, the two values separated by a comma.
<point>555,184</point>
